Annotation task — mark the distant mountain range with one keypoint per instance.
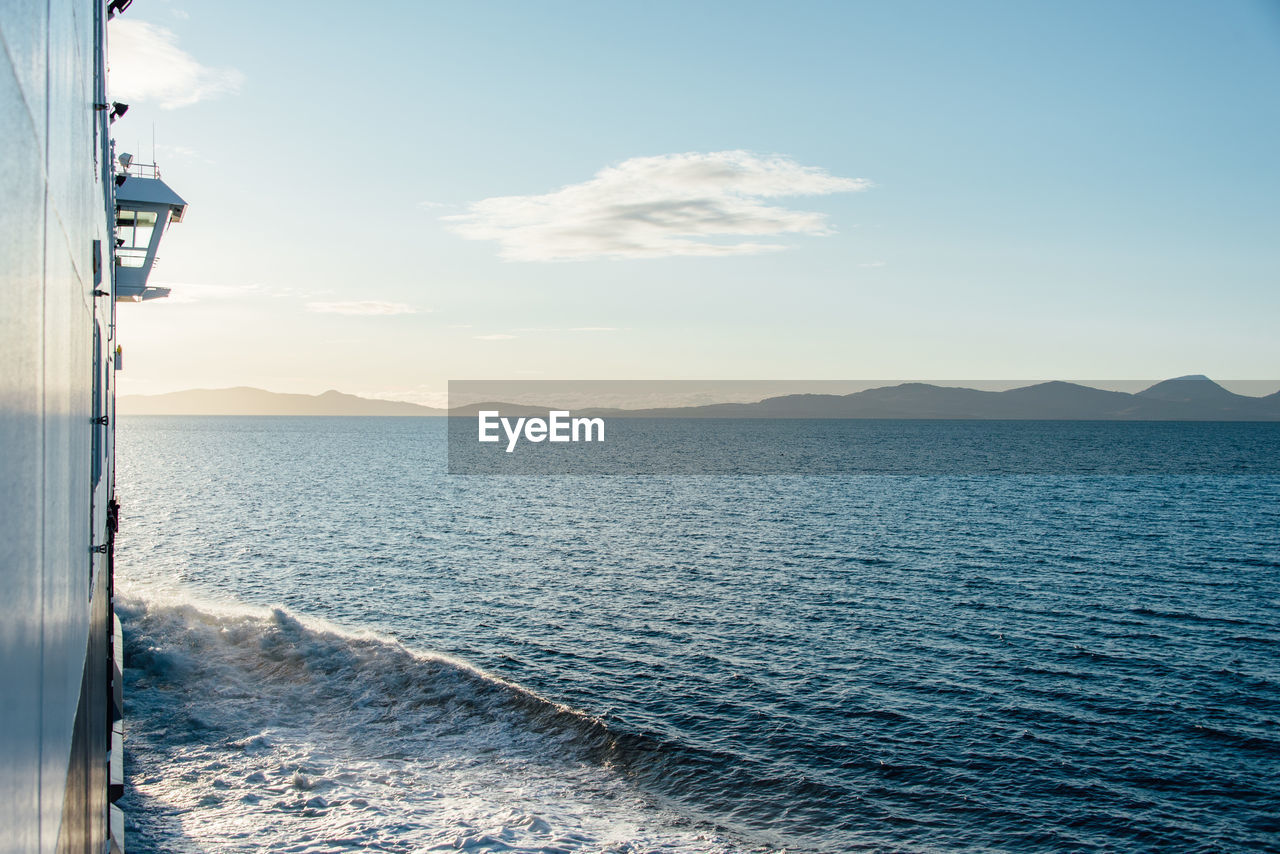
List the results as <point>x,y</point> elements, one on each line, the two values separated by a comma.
<point>255,401</point>
<point>1190,398</point>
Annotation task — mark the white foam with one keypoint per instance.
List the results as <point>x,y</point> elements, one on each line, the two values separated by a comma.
<point>252,729</point>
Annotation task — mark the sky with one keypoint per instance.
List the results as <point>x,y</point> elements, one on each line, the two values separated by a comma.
<point>387,196</point>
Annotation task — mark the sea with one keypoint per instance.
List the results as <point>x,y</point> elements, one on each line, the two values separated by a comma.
<point>334,644</point>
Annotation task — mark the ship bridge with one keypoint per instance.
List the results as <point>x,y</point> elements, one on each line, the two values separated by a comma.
<point>145,205</point>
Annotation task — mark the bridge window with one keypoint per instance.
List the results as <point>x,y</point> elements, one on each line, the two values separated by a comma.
<point>134,230</point>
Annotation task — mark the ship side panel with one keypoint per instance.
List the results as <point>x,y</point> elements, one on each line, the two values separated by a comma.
<point>24,27</point>
<point>84,809</point>
<point>69,361</point>
<point>67,548</point>
<point>22,99</point>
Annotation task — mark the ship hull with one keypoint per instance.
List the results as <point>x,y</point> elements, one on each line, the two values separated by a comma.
<point>56,421</point>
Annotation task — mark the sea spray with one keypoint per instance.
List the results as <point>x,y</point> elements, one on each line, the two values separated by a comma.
<point>255,729</point>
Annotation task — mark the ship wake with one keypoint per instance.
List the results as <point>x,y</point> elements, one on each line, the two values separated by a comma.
<point>257,729</point>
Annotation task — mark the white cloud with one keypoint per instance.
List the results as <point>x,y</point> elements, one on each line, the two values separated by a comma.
<point>656,207</point>
<point>497,336</point>
<point>593,329</point>
<point>148,66</point>
<point>361,307</point>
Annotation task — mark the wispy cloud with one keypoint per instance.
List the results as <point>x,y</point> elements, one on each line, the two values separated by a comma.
<point>656,207</point>
<point>189,292</point>
<point>181,152</point>
<point>570,329</point>
<point>148,66</point>
<point>497,336</point>
<point>873,264</point>
<point>361,307</point>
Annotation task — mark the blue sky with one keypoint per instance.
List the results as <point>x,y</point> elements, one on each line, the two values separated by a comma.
<point>1073,190</point>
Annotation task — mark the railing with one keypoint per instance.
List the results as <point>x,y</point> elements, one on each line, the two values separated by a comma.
<point>140,170</point>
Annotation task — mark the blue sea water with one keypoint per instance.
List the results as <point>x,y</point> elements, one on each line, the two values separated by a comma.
<point>332,644</point>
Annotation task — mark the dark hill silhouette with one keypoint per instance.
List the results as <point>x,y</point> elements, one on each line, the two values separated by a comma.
<point>1195,389</point>
<point>255,401</point>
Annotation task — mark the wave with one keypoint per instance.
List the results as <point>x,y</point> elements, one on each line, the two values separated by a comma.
<point>256,728</point>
